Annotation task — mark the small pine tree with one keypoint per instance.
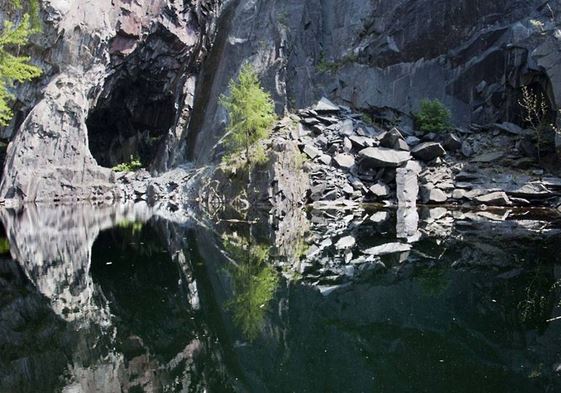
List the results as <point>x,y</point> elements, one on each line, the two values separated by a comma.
<point>250,110</point>
<point>433,116</point>
<point>16,68</point>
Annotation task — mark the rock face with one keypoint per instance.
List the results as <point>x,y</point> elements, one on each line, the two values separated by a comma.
<point>93,56</point>
<point>49,158</point>
<point>382,58</point>
<point>144,78</point>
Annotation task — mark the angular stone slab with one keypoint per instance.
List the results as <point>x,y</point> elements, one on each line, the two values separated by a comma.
<point>388,248</point>
<point>380,157</point>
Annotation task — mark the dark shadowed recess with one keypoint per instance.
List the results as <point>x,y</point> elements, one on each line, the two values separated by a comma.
<point>137,105</point>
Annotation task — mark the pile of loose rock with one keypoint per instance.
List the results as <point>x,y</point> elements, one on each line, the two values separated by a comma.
<point>171,187</point>
<point>352,162</point>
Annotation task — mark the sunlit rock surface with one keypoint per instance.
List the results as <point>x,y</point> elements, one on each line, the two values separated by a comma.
<point>84,52</point>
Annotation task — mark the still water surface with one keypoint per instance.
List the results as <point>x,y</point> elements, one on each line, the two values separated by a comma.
<point>122,301</point>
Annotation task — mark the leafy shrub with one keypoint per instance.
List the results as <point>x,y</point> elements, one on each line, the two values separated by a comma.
<point>433,116</point>
<point>259,155</point>
<point>251,112</point>
<point>131,166</point>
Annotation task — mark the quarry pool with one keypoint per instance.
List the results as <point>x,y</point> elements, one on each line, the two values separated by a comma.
<point>132,300</point>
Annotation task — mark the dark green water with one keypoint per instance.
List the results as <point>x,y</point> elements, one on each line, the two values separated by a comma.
<point>162,307</point>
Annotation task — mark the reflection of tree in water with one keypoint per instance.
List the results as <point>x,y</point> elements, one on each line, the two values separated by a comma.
<point>255,284</point>
<point>538,300</point>
<point>433,280</point>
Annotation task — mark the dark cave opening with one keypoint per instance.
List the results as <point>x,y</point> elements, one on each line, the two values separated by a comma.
<point>131,121</point>
<point>139,102</point>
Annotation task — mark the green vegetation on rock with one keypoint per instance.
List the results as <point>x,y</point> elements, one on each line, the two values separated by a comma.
<point>14,67</point>
<point>535,111</point>
<point>325,66</point>
<point>433,116</point>
<point>131,166</point>
<point>251,115</point>
<point>4,245</point>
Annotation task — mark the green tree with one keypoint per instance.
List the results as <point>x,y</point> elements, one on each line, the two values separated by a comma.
<point>251,113</point>
<point>433,116</point>
<point>14,67</point>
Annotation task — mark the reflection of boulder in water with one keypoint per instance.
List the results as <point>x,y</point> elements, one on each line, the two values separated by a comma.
<point>402,334</point>
<point>407,226</point>
<point>419,324</point>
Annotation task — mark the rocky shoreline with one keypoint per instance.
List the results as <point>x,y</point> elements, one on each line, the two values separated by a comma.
<point>351,162</point>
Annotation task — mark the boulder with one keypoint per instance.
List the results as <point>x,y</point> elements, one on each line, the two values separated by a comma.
<point>380,190</point>
<point>412,141</point>
<point>414,166</point>
<point>380,157</point>
<point>361,141</point>
<point>528,148</point>
<point>430,194</point>
<point>512,128</point>
<point>467,150</point>
<point>347,145</point>
<point>431,137</point>
<point>489,157</point>
<point>324,105</point>
<point>311,151</point>
<point>391,138</point>
<point>402,145</point>
<point>345,243</point>
<point>325,159</point>
<point>345,161</point>
<point>458,193</point>
<point>347,128</point>
<point>407,186</point>
<point>452,142</point>
<point>428,151</point>
<point>388,248</point>
<point>494,199</point>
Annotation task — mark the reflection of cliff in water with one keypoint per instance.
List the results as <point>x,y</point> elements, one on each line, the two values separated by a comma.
<point>53,245</point>
<point>122,301</point>
<point>471,303</point>
<point>90,309</point>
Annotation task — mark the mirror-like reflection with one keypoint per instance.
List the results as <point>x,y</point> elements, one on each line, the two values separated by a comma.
<point>121,299</point>
<point>254,280</point>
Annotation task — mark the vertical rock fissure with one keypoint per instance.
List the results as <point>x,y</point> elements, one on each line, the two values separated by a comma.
<point>204,89</point>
